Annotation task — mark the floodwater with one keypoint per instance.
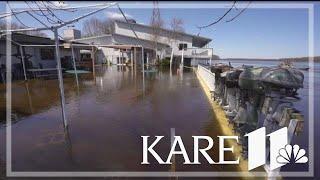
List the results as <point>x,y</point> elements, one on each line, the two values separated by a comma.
<point>107,115</point>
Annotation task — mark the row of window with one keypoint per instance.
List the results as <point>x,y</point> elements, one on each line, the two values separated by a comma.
<point>47,53</point>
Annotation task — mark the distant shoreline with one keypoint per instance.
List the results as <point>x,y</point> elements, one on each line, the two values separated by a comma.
<point>297,59</point>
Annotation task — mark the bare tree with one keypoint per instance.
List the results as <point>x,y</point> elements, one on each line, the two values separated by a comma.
<point>16,26</point>
<point>176,25</point>
<point>95,26</point>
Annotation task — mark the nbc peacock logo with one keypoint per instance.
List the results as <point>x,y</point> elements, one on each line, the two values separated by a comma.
<point>292,154</point>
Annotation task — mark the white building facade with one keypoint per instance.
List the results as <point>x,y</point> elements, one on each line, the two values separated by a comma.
<point>194,48</point>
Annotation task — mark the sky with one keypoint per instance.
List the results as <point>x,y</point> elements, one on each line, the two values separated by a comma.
<point>256,33</point>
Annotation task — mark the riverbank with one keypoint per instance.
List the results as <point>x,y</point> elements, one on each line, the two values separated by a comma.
<point>294,59</point>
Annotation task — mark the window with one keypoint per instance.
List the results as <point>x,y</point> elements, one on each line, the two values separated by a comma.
<point>183,46</point>
<point>47,54</point>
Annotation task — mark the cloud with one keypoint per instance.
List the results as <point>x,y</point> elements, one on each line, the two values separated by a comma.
<point>60,3</point>
<point>115,15</point>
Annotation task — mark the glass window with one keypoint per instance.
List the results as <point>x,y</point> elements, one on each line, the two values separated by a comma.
<point>47,54</point>
<point>183,46</point>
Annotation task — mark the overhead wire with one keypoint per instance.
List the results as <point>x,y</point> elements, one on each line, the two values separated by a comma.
<point>239,13</point>
<point>215,22</point>
<point>16,16</point>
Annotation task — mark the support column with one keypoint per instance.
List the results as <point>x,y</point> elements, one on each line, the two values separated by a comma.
<point>211,57</point>
<point>143,83</point>
<point>119,62</point>
<point>93,61</point>
<point>23,63</point>
<point>182,58</point>
<point>135,61</point>
<point>131,57</point>
<point>171,58</point>
<point>60,78</point>
<point>74,66</point>
<point>111,59</point>
<point>122,60</point>
<point>142,58</point>
<point>135,56</point>
<point>147,59</point>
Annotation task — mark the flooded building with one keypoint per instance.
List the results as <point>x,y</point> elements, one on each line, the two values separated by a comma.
<point>39,55</point>
<point>193,48</point>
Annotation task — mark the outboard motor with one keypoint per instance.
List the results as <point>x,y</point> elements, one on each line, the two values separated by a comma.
<point>218,70</point>
<point>281,85</point>
<point>251,92</point>
<point>232,94</point>
<point>276,90</point>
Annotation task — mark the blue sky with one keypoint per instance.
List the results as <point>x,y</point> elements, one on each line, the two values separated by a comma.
<point>257,33</point>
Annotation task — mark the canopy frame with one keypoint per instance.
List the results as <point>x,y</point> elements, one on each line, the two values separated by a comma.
<point>55,29</point>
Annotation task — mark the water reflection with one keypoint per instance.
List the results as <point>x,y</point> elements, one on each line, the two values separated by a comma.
<point>107,116</point>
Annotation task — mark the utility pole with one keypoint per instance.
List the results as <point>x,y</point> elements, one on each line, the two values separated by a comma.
<point>156,23</point>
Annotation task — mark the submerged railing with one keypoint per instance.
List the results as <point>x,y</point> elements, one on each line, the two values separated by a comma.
<point>207,76</point>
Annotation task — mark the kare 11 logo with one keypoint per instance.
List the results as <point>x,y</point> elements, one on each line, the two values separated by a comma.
<point>279,150</point>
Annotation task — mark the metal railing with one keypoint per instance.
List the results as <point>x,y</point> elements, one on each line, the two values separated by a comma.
<point>207,76</point>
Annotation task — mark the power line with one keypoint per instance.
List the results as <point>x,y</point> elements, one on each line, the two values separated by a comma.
<point>50,11</point>
<point>40,14</point>
<point>225,14</point>
<point>45,15</point>
<point>14,14</point>
<point>239,13</point>
<point>200,27</point>
<point>106,5</point>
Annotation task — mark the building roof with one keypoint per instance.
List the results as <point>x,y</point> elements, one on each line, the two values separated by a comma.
<point>28,39</point>
<point>25,39</point>
<point>117,41</point>
<point>197,41</point>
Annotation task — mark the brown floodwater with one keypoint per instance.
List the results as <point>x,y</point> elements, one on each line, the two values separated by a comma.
<point>107,115</point>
